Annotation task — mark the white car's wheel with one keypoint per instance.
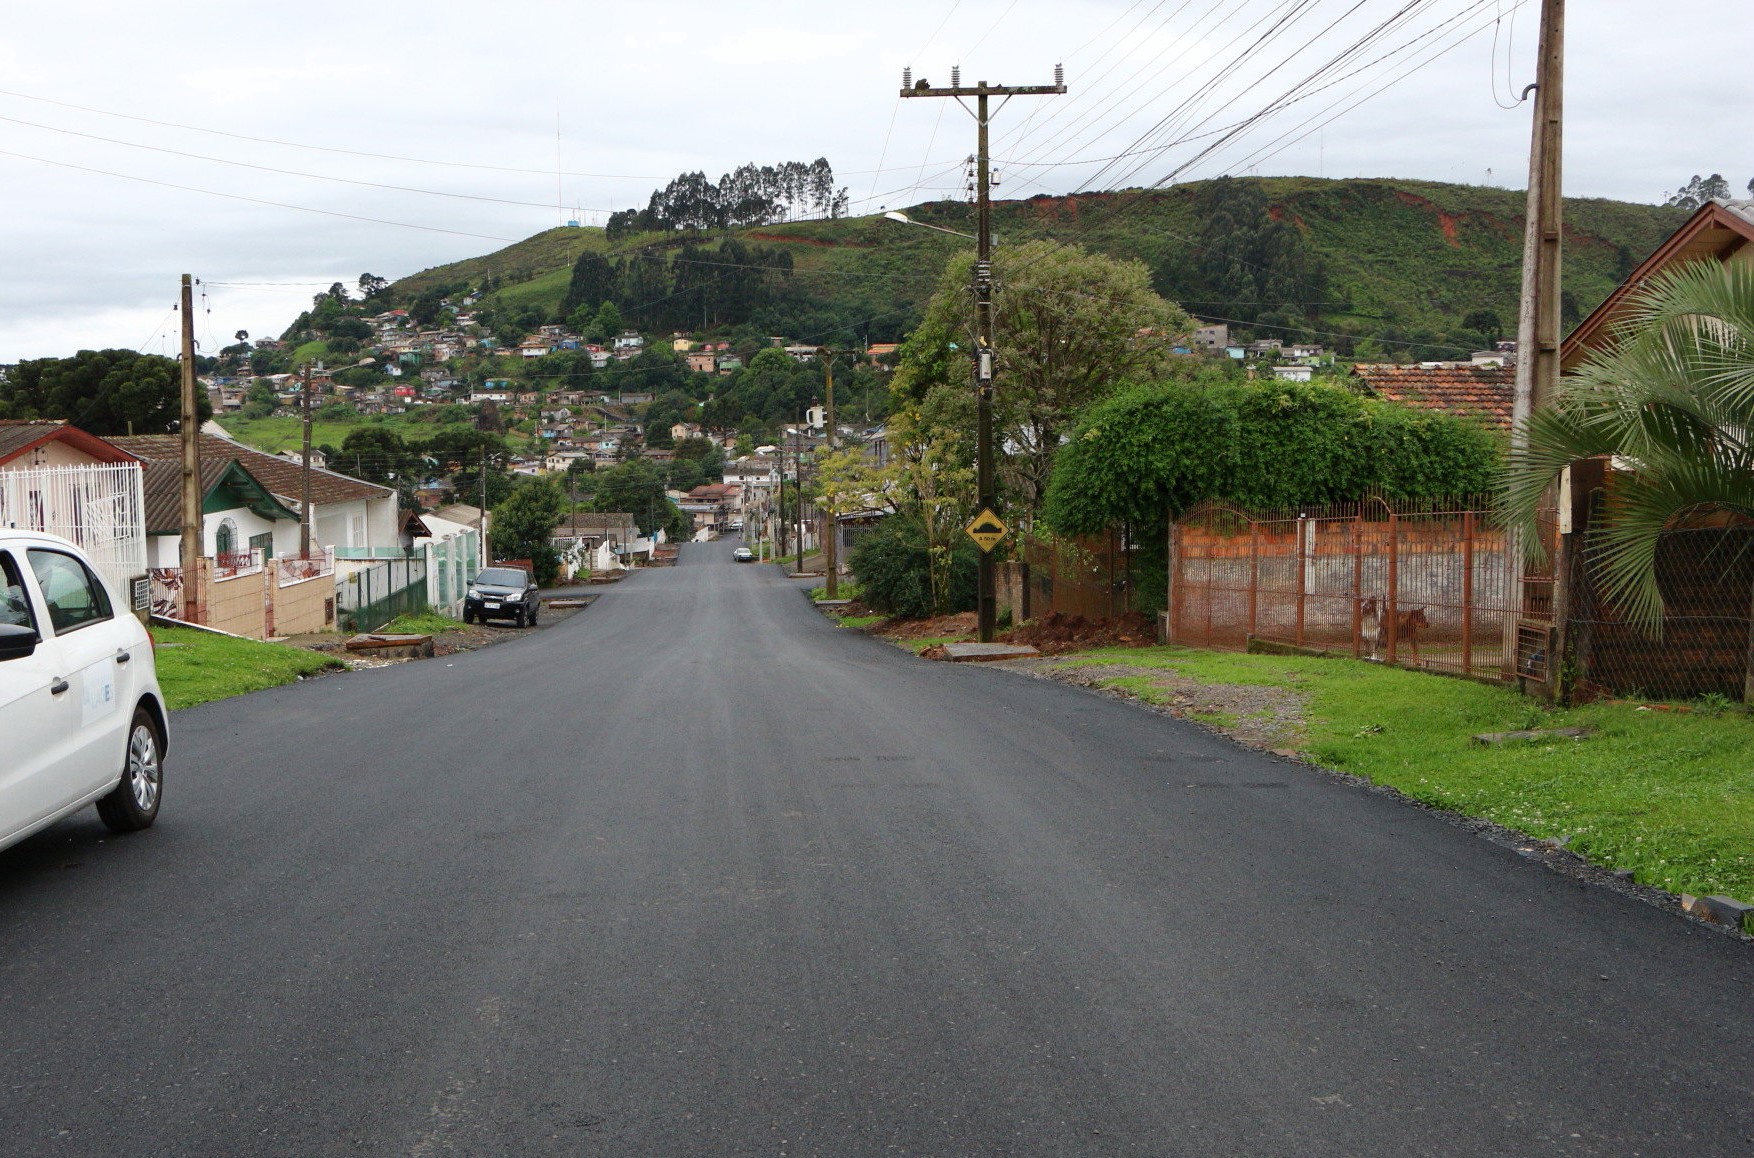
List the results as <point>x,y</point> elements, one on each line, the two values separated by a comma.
<point>134,803</point>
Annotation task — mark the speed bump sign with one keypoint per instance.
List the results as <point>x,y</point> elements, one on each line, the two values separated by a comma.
<point>986,529</point>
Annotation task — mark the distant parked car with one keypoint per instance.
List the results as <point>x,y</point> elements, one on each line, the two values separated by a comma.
<point>502,593</point>
<point>743,555</point>
<point>82,719</point>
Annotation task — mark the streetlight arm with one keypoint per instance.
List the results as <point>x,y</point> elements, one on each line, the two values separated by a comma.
<point>893,215</point>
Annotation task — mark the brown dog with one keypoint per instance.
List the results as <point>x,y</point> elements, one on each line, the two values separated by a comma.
<point>1407,628</point>
<point>1408,624</point>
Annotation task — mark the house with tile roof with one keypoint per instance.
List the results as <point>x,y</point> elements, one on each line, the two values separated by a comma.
<point>58,478</point>
<point>27,443</point>
<point>1721,230</point>
<point>1467,389</point>
<point>358,519</point>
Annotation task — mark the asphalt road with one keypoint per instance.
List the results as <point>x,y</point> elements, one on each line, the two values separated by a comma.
<point>695,873</point>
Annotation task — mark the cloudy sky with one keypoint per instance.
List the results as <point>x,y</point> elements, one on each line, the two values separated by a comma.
<point>270,150</point>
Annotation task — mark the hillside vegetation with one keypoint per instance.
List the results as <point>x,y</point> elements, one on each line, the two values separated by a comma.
<point>1408,268</point>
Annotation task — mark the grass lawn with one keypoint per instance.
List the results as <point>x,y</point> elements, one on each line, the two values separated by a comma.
<point>1669,795</point>
<point>859,620</point>
<point>207,667</point>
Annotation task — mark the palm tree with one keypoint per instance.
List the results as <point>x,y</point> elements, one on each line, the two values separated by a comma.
<point>1671,399</point>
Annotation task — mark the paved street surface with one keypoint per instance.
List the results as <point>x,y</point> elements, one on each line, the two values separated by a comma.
<point>696,873</point>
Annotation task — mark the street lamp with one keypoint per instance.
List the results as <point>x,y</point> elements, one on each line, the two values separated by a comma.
<point>897,215</point>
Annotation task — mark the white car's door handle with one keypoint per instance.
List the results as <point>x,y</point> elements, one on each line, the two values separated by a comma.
<point>124,656</point>
<point>59,686</point>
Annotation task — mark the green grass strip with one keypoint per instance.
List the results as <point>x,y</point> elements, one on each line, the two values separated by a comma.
<point>1669,795</point>
<point>204,666</point>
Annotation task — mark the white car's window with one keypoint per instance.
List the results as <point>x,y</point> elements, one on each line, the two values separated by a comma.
<point>14,607</point>
<point>73,593</point>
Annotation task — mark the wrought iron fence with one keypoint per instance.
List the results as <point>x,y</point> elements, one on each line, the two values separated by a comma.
<point>99,506</point>
<point>1421,587</point>
<point>1433,587</point>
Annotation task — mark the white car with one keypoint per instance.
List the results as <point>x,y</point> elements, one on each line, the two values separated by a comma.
<point>82,719</point>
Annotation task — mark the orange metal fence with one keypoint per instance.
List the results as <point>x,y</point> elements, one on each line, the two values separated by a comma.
<point>1419,587</point>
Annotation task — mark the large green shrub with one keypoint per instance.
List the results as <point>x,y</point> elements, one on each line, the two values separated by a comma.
<point>1155,450</point>
<point>893,565</point>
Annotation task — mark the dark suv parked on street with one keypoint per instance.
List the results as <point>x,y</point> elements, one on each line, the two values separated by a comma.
<point>502,593</point>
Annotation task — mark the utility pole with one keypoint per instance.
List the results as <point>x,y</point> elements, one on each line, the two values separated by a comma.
<point>798,464</point>
<point>190,428</point>
<point>1538,316</point>
<point>986,615</point>
<point>481,512</point>
<point>304,516</point>
<point>831,539</point>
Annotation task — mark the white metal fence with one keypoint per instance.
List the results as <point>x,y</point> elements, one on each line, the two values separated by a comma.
<point>101,507</point>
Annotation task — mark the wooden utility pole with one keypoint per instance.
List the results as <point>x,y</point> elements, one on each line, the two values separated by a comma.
<point>1538,317</point>
<point>830,522</point>
<point>190,428</point>
<point>986,615</point>
<point>304,514</point>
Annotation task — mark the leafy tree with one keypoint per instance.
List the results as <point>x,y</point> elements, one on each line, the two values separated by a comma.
<point>465,453</point>
<point>100,391</point>
<point>705,454</point>
<point>902,573</point>
<point>371,285</point>
<point>1485,323</point>
<point>1243,263</point>
<point>593,282</point>
<point>378,454</point>
<point>1698,191</point>
<point>1672,395</point>
<point>1068,327</point>
<point>637,488</point>
<point>524,523</point>
<point>424,310</point>
<point>606,324</point>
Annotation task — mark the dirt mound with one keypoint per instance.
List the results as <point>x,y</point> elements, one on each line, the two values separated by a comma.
<point>942,626</point>
<point>1054,633</point>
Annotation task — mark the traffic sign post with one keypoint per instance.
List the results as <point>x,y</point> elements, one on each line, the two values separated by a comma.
<point>987,530</point>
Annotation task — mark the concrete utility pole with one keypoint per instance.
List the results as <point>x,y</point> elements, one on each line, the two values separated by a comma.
<point>1538,318</point>
<point>304,515</point>
<point>190,428</point>
<point>986,616</point>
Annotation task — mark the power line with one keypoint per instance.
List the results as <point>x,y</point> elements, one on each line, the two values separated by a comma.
<point>316,148</point>
<point>255,200</point>
<point>285,172</point>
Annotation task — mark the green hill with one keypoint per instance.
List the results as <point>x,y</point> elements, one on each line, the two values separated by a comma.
<point>1421,268</point>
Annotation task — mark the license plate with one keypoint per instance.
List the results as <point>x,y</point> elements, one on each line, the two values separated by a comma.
<point>491,606</point>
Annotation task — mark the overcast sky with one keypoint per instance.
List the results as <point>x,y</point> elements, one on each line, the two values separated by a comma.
<point>142,141</point>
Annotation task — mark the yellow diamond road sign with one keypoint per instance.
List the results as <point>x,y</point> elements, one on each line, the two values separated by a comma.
<point>986,530</point>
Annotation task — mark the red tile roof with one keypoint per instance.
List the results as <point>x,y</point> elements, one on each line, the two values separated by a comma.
<point>18,435</point>
<point>280,476</point>
<point>1483,393</point>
